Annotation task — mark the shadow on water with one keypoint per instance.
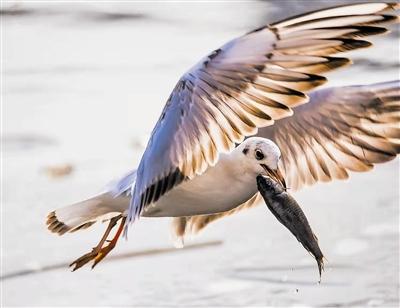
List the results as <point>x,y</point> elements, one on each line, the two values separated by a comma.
<point>95,15</point>
<point>113,16</point>
<point>15,12</point>
<point>368,63</point>
<point>128,255</point>
<point>26,142</point>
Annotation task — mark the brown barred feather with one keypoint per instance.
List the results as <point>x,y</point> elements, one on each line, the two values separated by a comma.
<point>254,81</point>
<point>340,130</point>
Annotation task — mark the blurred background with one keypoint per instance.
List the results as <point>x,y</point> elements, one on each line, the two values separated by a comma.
<point>83,83</point>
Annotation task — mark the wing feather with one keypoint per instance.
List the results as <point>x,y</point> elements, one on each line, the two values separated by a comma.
<point>350,127</point>
<point>340,130</point>
<point>251,82</point>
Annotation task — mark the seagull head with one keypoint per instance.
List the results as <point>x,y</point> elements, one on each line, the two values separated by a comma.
<point>261,156</point>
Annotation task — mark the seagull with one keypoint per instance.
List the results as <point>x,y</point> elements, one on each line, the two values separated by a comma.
<point>249,108</point>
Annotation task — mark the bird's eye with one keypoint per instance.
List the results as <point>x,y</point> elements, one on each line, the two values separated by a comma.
<point>259,155</point>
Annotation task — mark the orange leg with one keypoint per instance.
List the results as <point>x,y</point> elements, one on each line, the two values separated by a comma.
<point>78,263</point>
<point>105,250</point>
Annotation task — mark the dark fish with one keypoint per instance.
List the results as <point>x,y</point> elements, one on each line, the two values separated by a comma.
<point>289,213</point>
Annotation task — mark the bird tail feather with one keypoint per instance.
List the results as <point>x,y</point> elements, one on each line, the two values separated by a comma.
<point>83,214</point>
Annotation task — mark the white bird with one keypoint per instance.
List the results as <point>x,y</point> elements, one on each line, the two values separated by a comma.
<point>254,81</point>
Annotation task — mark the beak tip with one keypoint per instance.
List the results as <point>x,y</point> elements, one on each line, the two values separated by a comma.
<point>276,175</point>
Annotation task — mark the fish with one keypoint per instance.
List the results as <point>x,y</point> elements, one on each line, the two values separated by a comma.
<point>286,209</point>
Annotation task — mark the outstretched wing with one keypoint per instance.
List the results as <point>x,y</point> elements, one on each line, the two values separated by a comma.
<point>248,83</point>
<point>341,129</point>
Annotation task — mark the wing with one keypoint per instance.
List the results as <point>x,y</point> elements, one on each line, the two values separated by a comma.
<point>341,129</point>
<point>248,83</point>
<point>122,186</point>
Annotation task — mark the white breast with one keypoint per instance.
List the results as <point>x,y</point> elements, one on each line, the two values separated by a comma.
<point>221,188</point>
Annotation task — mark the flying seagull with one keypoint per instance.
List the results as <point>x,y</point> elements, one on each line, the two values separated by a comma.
<point>198,149</point>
